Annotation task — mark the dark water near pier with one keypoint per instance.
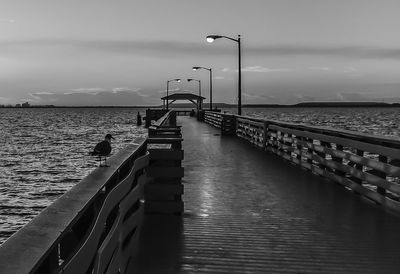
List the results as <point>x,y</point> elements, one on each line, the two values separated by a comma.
<point>44,152</point>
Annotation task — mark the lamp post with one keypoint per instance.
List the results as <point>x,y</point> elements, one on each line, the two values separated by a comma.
<point>210,39</point>
<point>199,102</point>
<point>173,80</point>
<point>210,70</point>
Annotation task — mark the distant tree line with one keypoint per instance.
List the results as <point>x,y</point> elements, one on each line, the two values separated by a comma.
<point>224,105</point>
<point>26,105</point>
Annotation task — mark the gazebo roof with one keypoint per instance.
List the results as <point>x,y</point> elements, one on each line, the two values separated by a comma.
<point>183,96</point>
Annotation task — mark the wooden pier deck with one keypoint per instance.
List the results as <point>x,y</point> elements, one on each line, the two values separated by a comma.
<point>248,211</point>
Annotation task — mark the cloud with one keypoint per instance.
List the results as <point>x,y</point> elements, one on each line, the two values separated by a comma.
<point>36,97</point>
<point>92,91</point>
<point>44,92</point>
<point>116,90</point>
<point>254,98</point>
<point>352,96</point>
<point>320,68</point>
<point>168,49</point>
<point>357,52</point>
<point>250,96</point>
<point>263,69</point>
<point>95,97</point>
<point>169,90</point>
<point>259,69</point>
<point>153,48</point>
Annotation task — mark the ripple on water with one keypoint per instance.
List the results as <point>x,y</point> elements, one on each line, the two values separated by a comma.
<point>45,153</point>
<point>379,121</point>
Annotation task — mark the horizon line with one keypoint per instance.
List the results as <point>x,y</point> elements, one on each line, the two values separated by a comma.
<point>228,105</point>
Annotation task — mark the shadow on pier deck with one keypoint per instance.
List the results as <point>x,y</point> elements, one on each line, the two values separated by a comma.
<point>248,211</point>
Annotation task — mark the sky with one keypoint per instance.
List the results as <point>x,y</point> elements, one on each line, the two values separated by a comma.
<point>122,52</point>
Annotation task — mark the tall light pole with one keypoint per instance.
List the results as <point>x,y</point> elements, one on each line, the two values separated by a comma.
<point>210,39</point>
<point>189,80</point>
<point>210,70</point>
<point>173,80</point>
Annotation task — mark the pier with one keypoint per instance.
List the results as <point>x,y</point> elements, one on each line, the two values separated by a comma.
<point>249,211</point>
<point>220,193</point>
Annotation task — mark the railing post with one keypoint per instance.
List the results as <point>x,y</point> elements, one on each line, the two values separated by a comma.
<point>265,135</point>
<point>309,150</point>
<point>379,189</point>
<point>339,161</point>
<point>228,124</point>
<point>222,124</point>
<point>298,146</point>
<point>200,115</point>
<point>358,166</point>
<point>322,155</point>
<point>148,118</point>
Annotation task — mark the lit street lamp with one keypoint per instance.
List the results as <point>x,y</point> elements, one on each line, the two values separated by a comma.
<point>189,80</point>
<point>210,39</point>
<point>210,70</point>
<point>173,80</point>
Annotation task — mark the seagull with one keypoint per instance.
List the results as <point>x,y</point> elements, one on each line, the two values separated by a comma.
<point>103,149</point>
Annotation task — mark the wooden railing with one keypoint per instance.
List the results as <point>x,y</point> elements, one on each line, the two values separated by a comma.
<point>168,119</point>
<point>223,121</point>
<point>366,164</point>
<point>165,126</point>
<point>252,130</point>
<point>213,118</point>
<point>164,189</point>
<point>184,112</point>
<point>93,228</point>
<point>154,115</point>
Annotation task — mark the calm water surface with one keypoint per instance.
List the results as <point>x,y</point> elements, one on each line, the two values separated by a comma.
<point>44,152</point>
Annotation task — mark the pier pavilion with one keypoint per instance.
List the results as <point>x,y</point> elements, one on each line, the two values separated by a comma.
<point>246,203</point>
<point>183,96</point>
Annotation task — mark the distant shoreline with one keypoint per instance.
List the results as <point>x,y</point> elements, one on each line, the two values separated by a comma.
<point>224,105</point>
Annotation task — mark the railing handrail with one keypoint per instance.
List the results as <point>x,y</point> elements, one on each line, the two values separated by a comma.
<point>364,137</point>
<point>164,120</point>
<point>38,241</point>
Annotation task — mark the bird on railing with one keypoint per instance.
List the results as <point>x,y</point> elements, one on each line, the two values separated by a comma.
<point>103,149</point>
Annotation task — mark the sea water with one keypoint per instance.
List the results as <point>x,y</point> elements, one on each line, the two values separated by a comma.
<point>44,152</point>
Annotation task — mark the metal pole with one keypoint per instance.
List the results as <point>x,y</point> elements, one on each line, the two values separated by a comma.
<point>200,95</point>
<point>239,80</point>
<point>210,89</point>
<point>167,94</point>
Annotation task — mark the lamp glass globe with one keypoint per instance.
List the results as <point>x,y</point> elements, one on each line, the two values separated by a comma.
<point>210,39</point>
